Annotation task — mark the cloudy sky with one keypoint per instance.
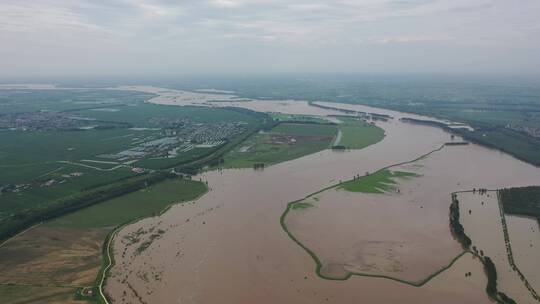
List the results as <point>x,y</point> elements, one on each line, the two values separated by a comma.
<point>115,37</point>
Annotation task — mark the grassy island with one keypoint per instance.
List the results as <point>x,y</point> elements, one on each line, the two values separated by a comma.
<point>358,134</point>
<point>284,142</point>
<point>378,182</point>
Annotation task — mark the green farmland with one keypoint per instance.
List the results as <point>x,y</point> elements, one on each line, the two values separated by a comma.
<point>297,118</point>
<point>24,100</point>
<point>521,201</point>
<point>357,134</point>
<point>284,142</point>
<point>378,182</point>
<point>141,203</point>
<point>46,162</point>
<point>77,163</point>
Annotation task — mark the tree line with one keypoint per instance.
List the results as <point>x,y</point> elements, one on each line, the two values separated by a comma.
<point>15,223</point>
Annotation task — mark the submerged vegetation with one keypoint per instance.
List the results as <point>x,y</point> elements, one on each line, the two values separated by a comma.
<point>489,267</point>
<point>455,225</point>
<point>301,205</point>
<point>382,181</point>
<point>378,182</point>
<point>491,273</point>
<point>310,201</point>
<point>107,197</point>
<point>491,287</point>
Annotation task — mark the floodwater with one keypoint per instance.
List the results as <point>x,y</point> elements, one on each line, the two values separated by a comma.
<point>524,236</point>
<point>412,239</point>
<point>229,247</point>
<point>215,99</point>
<point>481,218</point>
<point>178,97</point>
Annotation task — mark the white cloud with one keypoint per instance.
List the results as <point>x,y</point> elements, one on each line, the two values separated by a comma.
<point>226,3</point>
<point>207,29</point>
<point>409,39</point>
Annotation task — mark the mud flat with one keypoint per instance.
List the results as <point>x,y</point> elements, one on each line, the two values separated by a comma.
<point>481,218</point>
<point>229,246</point>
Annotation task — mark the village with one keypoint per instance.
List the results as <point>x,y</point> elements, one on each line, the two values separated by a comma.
<point>52,121</point>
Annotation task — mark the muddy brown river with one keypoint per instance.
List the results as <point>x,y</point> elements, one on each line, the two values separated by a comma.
<point>229,246</point>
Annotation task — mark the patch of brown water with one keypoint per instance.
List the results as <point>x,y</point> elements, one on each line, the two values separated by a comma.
<point>368,109</point>
<point>229,247</point>
<point>411,240</point>
<point>524,236</point>
<point>186,98</point>
<point>481,219</point>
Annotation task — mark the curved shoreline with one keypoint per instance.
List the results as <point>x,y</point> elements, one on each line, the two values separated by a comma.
<point>509,253</point>
<point>103,273</point>
<point>108,251</point>
<point>317,260</point>
<point>508,247</point>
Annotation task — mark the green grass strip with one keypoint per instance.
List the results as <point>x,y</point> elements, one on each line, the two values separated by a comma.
<point>379,182</point>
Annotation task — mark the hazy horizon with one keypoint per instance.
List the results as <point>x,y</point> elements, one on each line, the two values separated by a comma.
<point>161,37</point>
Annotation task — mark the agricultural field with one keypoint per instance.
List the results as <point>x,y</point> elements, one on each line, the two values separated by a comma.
<point>59,182</point>
<point>38,294</point>
<point>358,134</point>
<point>142,203</point>
<point>520,145</point>
<point>155,116</point>
<point>181,158</point>
<point>521,201</point>
<point>59,143</point>
<point>503,112</point>
<point>284,142</point>
<point>297,118</point>
<point>65,254</point>
<point>24,101</point>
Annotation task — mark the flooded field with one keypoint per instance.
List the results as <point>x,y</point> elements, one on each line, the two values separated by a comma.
<point>524,236</point>
<point>412,239</point>
<point>229,246</point>
<point>481,219</point>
